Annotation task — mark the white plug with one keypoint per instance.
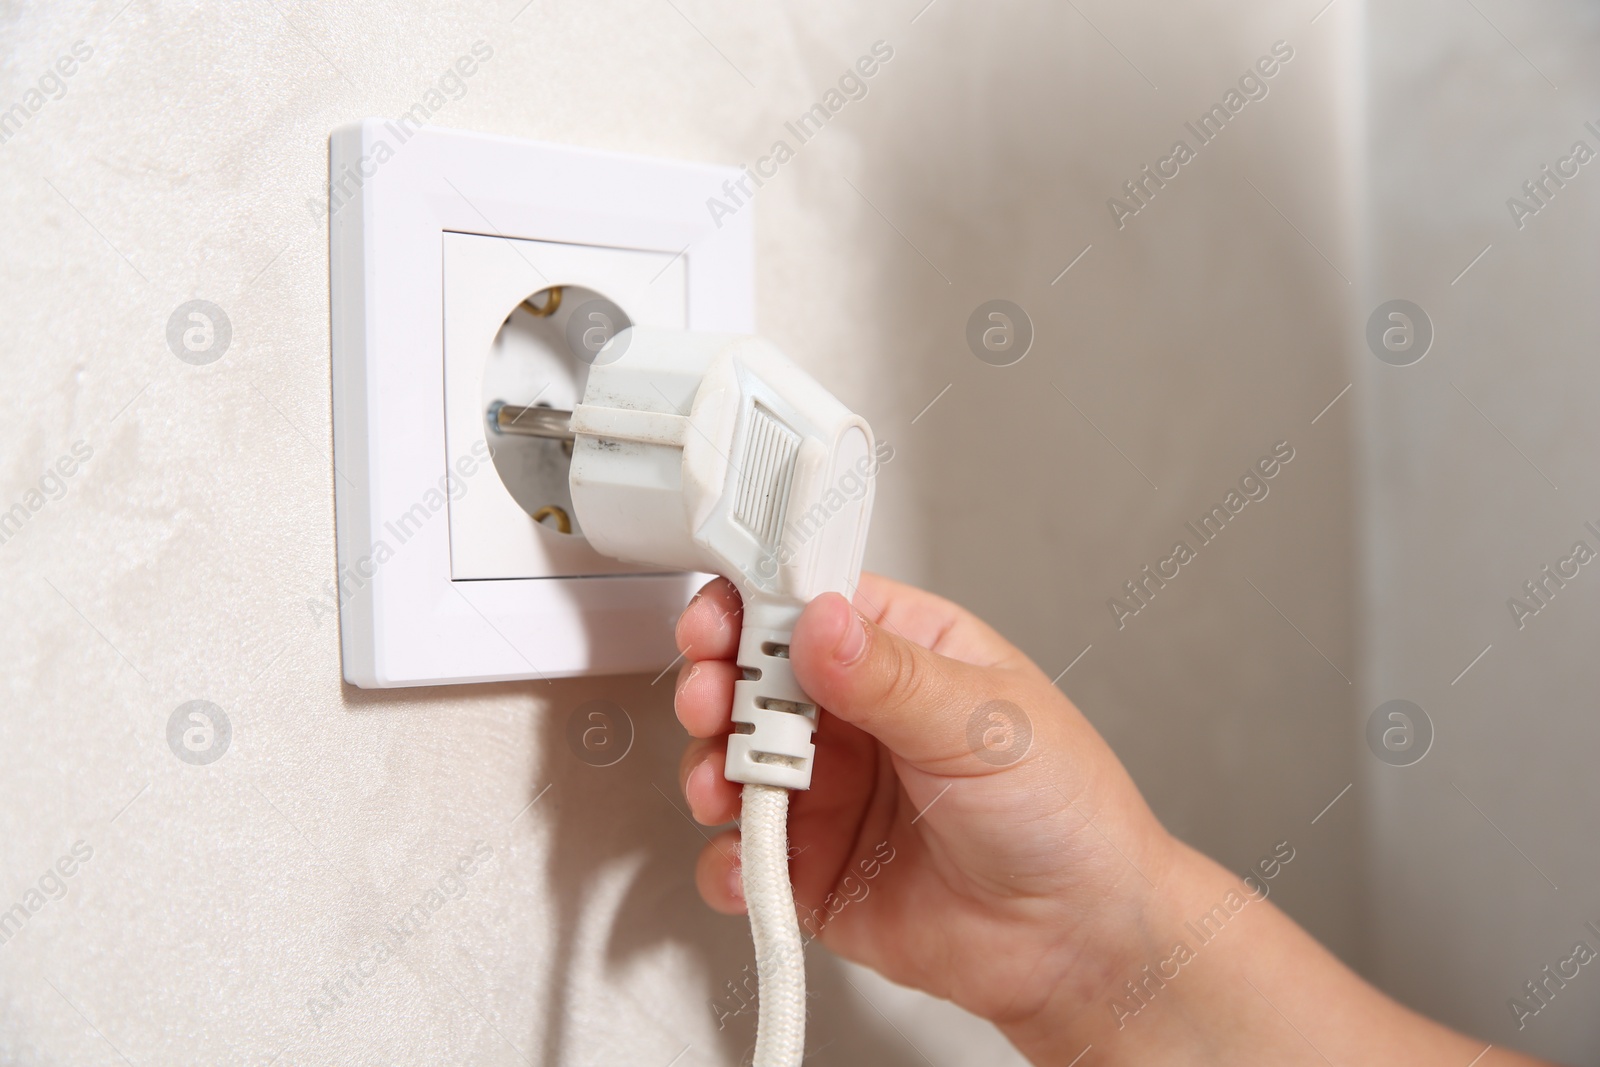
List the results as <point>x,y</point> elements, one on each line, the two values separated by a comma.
<point>716,453</point>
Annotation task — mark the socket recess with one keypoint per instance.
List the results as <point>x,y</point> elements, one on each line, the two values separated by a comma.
<point>496,349</point>
<point>436,238</point>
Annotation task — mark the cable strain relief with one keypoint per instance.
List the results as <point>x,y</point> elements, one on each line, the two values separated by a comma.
<point>773,717</point>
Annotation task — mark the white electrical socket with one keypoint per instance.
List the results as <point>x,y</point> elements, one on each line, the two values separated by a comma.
<point>492,534</point>
<point>435,238</point>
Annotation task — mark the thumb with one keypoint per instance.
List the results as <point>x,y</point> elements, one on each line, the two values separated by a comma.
<point>941,714</point>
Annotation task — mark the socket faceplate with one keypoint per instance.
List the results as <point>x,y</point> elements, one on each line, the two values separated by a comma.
<point>397,197</point>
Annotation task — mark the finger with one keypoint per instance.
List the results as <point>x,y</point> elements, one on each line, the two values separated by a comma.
<point>932,622</point>
<point>916,702</point>
<point>846,811</point>
<point>709,626</point>
<point>704,698</point>
<point>716,874</point>
<point>713,800</point>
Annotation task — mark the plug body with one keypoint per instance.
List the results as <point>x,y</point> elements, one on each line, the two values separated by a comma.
<point>715,452</point>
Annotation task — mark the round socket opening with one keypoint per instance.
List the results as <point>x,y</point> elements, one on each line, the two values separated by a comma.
<point>540,359</point>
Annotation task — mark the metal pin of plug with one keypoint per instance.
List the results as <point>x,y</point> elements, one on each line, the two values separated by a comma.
<point>549,423</point>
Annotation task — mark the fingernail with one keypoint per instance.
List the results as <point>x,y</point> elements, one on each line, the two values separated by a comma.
<point>736,884</point>
<point>852,640</point>
<point>700,771</point>
<point>688,676</point>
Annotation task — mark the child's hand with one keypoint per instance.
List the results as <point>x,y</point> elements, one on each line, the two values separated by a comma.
<point>969,834</point>
<point>966,832</point>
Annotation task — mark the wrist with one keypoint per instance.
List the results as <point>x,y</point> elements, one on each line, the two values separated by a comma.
<point>1102,972</point>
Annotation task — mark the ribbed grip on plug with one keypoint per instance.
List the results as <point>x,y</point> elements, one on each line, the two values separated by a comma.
<point>773,718</point>
<point>765,476</point>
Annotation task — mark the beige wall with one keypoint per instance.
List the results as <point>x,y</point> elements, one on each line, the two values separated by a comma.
<point>1468,847</point>
<point>179,564</point>
<point>1191,342</point>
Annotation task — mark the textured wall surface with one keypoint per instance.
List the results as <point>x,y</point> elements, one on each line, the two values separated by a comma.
<point>185,557</point>
<point>1478,463</point>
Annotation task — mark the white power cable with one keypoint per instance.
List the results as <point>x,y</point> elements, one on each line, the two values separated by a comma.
<point>770,751</point>
<point>717,453</point>
<point>780,957</point>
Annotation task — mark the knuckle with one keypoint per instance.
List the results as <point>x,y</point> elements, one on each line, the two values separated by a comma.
<point>901,674</point>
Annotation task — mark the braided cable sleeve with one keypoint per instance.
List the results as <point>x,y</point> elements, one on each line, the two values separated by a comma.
<point>780,957</point>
